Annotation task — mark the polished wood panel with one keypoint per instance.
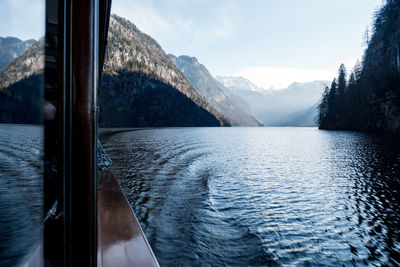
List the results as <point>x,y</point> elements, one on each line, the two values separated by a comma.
<point>121,241</point>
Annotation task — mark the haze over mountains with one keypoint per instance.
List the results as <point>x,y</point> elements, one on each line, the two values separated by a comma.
<point>295,105</point>
<point>214,92</point>
<point>143,86</point>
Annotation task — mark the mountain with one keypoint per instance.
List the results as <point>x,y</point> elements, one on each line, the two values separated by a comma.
<point>291,102</point>
<point>278,107</point>
<point>237,83</point>
<point>31,62</point>
<point>141,86</point>
<point>215,93</point>
<point>305,118</point>
<point>11,48</point>
<point>21,87</point>
<point>369,98</point>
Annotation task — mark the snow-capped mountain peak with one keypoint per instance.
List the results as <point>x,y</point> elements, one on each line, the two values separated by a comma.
<point>238,83</point>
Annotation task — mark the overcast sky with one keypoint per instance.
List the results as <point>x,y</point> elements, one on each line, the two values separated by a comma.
<point>271,42</point>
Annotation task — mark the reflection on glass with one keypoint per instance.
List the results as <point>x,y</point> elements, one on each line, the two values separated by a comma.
<point>21,128</point>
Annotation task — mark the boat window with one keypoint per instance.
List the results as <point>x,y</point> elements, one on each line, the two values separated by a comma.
<point>21,128</point>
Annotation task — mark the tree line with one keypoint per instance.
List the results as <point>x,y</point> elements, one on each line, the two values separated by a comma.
<point>368,98</point>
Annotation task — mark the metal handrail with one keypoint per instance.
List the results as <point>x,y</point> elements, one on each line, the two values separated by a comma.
<point>103,160</point>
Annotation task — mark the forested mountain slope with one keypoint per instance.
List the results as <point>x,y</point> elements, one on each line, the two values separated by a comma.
<point>369,98</point>
<point>11,48</point>
<point>142,87</point>
<point>21,87</point>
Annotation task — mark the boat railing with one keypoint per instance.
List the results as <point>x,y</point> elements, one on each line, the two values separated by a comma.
<point>103,160</point>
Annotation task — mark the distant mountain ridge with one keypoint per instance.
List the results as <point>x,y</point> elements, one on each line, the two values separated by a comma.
<point>140,85</point>
<point>237,83</point>
<point>282,107</point>
<point>305,118</point>
<point>29,63</point>
<point>11,48</point>
<point>213,91</point>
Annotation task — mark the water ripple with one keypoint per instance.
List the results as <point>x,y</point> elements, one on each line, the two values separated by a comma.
<point>21,195</point>
<point>263,196</point>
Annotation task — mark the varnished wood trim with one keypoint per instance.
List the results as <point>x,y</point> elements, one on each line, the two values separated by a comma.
<point>121,241</point>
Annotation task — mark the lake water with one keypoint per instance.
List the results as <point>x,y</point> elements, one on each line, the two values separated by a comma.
<point>231,196</point>
<point>262,196</point>
<point>21,195</point>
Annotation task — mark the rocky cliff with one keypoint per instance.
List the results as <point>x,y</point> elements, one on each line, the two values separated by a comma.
<point>11,48</point>
<point>142,87</point>
<point>31,62</point>
<point>213,91</point>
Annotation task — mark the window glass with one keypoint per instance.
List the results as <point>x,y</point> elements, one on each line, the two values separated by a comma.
<point>21,128</point>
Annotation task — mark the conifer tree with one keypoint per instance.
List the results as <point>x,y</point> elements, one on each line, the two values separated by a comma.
<point>323,106</point>
<point>357,70</point>
<point>332,101</point>
<point>356,103</point>
<point>352,79</point>
<point>342,79</point>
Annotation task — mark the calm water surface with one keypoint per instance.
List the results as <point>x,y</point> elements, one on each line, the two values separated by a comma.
<point>262,196</point>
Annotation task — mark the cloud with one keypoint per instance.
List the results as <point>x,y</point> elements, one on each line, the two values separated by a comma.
<point>144,15</point>
<point>223,24</point>
<point>277,78</point>
<point>171,24</point>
